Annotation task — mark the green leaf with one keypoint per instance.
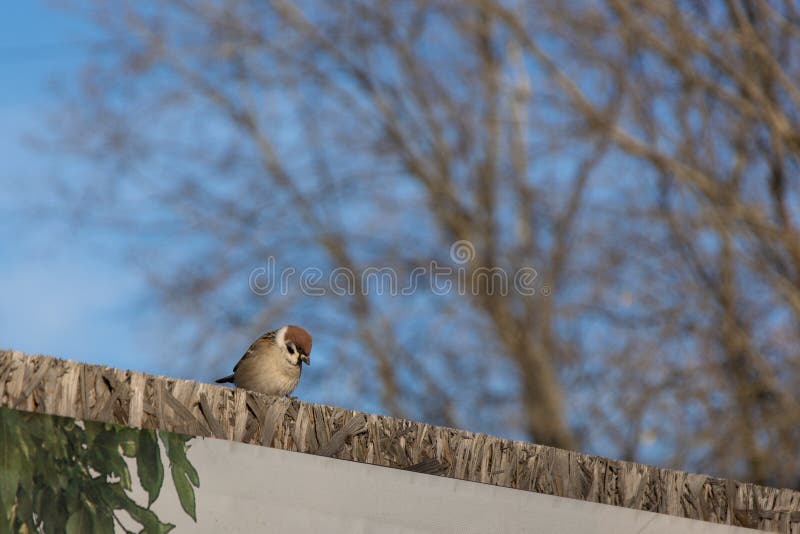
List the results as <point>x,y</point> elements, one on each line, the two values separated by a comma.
<point>81,521</point>
<point>50,508</point>
<point>91,429</point>
<point>105,457</point>
<point>149,466</point>
<point>185,491</point>
<point>24,510</point>
<point>128,440</point>
<point>183,472</point>
<point>49,467</point>
<point>191,472</point>
<point>26,442</point>
<point>10,464</point>
<point>147,518</point>
<point>104,521</point>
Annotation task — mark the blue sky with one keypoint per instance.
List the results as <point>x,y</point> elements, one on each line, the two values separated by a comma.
<point>67,290</point>
<point>64,291</point>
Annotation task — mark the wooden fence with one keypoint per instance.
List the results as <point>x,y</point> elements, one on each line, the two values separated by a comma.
<point>68,388</point>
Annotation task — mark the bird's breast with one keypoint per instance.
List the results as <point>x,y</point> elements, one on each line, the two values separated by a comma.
<point>270,375</point>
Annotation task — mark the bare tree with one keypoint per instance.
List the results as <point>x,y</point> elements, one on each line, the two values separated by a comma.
<point>638,155</point>
<point>709,112</point>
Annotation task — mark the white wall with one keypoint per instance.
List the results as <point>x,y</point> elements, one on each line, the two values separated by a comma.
<point>245,488</point>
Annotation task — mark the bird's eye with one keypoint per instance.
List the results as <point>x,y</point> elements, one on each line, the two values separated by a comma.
<point>290,348</point>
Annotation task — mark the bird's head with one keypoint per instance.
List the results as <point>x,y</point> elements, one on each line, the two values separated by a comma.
<point>297,342</point>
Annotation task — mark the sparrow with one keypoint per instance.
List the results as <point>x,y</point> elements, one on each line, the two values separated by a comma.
<point>273,363</point>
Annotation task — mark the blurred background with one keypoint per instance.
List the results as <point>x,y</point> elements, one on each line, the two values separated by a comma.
<point>163,160</point>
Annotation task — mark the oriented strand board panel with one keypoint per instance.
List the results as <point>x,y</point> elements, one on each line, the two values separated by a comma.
<point>68,388</point>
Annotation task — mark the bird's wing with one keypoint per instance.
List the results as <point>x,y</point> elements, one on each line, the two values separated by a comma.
<point>269,337</point>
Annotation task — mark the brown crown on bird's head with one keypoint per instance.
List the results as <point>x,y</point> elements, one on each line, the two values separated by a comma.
<point>300,338</point>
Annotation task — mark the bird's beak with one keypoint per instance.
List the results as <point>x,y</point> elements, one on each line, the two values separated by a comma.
<point>305,358</point>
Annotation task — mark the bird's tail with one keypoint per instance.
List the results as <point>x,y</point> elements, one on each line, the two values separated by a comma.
<point>224,379</point>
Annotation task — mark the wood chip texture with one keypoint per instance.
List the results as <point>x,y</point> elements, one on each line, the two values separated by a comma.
<point>61,387</point>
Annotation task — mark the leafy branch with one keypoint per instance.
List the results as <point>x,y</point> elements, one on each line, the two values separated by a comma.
<point>61,475</point>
